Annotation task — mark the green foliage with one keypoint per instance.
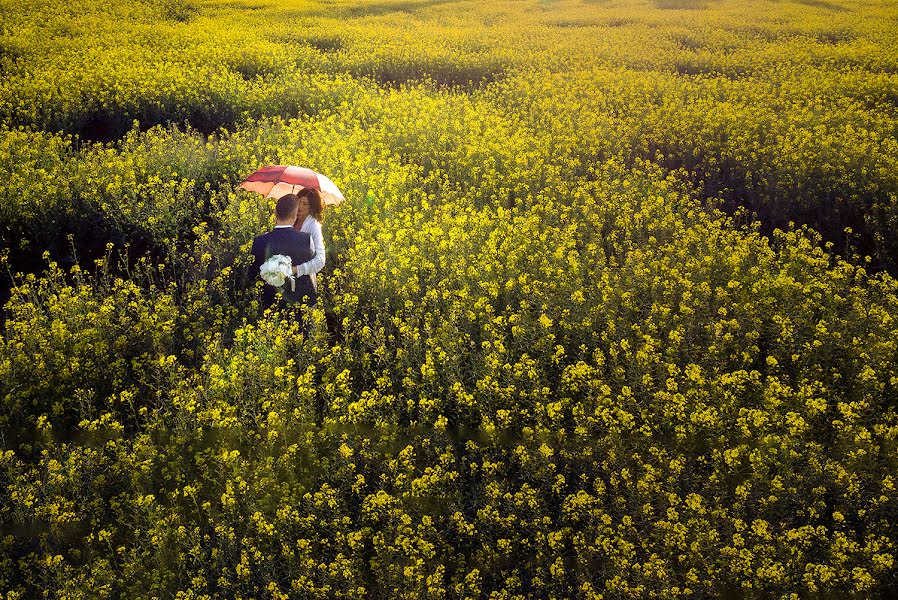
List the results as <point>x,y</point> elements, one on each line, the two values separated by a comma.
<point>182,11</point>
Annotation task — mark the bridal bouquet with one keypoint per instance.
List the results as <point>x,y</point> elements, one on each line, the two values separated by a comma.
<point>277,270</point>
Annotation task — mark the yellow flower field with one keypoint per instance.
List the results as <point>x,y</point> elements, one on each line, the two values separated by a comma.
<point>610,310</point>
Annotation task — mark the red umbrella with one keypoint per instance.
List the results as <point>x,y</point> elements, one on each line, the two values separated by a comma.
<point>277,180</point>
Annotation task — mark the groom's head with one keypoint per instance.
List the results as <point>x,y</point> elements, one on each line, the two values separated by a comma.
<point>285,209</point>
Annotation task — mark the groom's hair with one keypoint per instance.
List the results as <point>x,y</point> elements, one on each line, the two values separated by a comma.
<point>286,206</point>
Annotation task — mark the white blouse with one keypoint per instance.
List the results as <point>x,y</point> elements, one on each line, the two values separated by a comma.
<point>311,267</point>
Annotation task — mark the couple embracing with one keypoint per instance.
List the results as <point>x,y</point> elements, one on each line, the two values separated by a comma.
<point>298,240</point>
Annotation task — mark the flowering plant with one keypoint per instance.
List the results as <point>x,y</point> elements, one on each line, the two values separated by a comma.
<point>276,270</point>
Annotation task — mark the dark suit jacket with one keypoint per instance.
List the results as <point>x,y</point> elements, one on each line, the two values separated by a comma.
<point>289,242</point>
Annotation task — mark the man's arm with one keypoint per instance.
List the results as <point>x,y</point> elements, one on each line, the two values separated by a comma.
<point>301,250</point>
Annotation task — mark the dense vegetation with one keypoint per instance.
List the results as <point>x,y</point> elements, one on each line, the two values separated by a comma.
<point>608,311</point>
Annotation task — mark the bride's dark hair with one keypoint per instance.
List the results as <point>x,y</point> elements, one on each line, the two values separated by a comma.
<point>316,206</point>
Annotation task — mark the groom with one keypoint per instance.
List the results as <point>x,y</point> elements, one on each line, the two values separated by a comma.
<point>284,239</point>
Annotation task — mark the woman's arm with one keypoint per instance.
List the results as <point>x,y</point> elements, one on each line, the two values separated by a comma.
<point>317,263</point>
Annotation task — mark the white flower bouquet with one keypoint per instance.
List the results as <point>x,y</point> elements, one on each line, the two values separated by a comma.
<point>277,270</point>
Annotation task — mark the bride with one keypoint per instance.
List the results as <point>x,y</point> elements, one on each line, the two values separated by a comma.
<point>308,220</point>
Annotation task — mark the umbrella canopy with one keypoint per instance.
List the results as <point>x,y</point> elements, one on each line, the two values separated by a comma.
<point>277,180</point>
